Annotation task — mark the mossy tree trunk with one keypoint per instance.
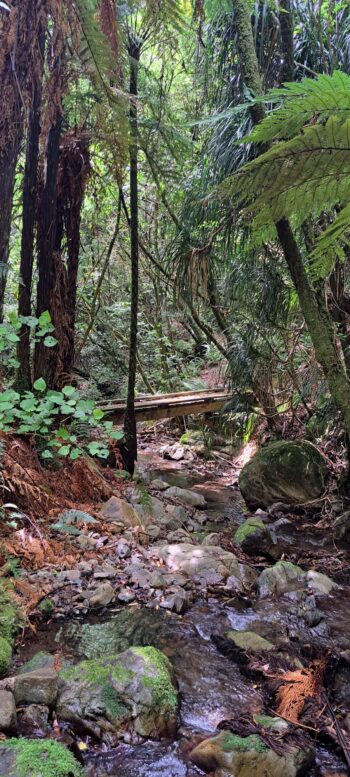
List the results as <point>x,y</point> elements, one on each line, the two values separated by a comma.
<point>312,303</point>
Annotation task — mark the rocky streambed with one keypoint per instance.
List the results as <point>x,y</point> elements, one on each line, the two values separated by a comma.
<point>160,657</point>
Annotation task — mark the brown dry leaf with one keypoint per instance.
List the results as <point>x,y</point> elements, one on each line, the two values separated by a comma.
<point>296,687</point>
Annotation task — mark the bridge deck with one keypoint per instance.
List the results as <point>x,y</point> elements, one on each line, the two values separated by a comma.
<point>153,407</point>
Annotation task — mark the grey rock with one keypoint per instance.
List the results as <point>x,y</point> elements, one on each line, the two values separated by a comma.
<point>194,560</point>
<point>159,484</point>
<point>250,641</point>
<point>37,687</point>
<point>85,567</point>
<point>175,452</point>
<point>101,596</point>
<point>319,583</point>
<point>122,549</point>
<point>126,595</point>
<point>8,716</point>
<point>211,539</point>
<point>132,692</point>
<point>282,577</point>
<point>177,602</point>
<point>153,531</point>
<point>104,572</point>
<point>191,498</point>
<point>34,720</point>
<point>121,512</point>
<point>69,575</point>
<point>342,529</point>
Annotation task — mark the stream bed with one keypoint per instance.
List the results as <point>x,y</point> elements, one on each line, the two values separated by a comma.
<point>212,688</point>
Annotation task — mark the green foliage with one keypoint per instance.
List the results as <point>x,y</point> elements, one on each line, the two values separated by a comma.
<point>5,655</point>
<point>42,759</point>
<point>307,174</point>
<point>69,520</point>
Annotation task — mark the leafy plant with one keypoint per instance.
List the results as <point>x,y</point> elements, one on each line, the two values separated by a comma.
<point>70,519</point>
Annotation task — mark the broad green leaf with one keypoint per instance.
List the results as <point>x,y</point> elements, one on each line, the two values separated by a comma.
<point>40,384</point>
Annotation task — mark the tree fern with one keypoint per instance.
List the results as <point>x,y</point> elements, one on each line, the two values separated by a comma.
<point>309,173</point>
<point>321,97</point>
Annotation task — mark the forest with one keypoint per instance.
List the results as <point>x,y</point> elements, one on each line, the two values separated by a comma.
<point>174,388</point>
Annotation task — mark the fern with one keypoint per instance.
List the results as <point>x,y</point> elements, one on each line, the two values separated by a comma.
<point>323,97</point>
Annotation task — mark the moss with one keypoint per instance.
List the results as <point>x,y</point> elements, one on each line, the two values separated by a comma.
<point>40,660</point>
<point>266,721</point>
<point>249,527</point>
<point>163,692</point>
<point>231,742</point>
<point>5,655</point>
<point>46,607</point>
<point>114,706</point>
<point>42,759</point>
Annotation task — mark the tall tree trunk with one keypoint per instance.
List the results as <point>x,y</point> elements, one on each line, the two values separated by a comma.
<point>287,44</point>
<point>130,431</point>
<point>45,358</point>
<point>28,226</point>
<point>8,161</point>
<point>312,304</point>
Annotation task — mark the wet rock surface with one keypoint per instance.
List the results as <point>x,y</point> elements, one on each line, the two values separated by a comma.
<point>178,594</point>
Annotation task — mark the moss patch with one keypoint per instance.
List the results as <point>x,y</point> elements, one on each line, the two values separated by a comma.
<point>46,607</point>
<point>230,742</point>
<point>248,528</point>
<point>42,759</point>
<point>163,692</point>
<point>102,673</point>
<point>5,655</point>
<point>10,615</point>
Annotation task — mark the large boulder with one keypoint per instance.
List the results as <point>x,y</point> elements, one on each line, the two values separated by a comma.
<point>289,472</point>
<point>249,757</point>
<point>197,561</point>
<point>132,691</point>
<point>32,758</point>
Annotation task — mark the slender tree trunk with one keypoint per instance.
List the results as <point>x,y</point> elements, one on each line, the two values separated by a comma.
<point>313,307</point>
<point>28,226</point>
<point>45,358</point>
<point>8,161</point>
<point>130,431</point>
<point>287,45</point>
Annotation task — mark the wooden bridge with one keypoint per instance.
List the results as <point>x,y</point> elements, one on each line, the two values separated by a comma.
<point>153,407</point>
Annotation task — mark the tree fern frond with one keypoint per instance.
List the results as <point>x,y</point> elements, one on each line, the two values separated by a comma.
<point>303,176</point>
<point>323,97</point>
<point>329,245</point>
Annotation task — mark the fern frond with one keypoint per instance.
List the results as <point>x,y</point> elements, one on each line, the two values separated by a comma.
<point>329,246</point>
<point>321,97</point>
<point>298,178</point>
<point>95,52</point>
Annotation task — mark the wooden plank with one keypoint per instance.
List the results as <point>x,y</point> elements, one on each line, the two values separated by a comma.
<point>148,412</point>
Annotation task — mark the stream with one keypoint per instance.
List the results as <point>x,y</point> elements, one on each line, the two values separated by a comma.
<point>212,688</point>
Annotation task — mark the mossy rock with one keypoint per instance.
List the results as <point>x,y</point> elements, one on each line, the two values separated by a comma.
<point>255,539</point>
<point>41,660</point>
<point>250,641</point>
<point>33,758</point>
<point>134,690</point>
<point>281,578</point>
<point>290,472</point>
<point>249,757</point>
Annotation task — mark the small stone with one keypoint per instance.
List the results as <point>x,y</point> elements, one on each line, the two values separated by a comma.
<point>342,529</point>
<point>104,572</point>
<point>159,485</point>
<point>211,539</point>
<point>153,531</point>
<point>101,596</point>
<point>126,595</point>
<point>157,580</point>
<point>250,641</point>
<point>8,716</point>
<point>122,549</point>
<point>69,575</point>
<point>175,452</point>
<point>177,602</point>
<point>85,567</point>
<point>86,542</point>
